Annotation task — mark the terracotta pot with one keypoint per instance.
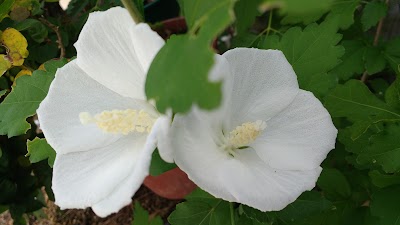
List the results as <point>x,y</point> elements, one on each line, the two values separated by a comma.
<point>173,184</point>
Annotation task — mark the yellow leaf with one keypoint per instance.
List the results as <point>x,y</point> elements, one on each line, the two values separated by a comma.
<point>4,64</point>
<point>16,45</point>
<point>22,73</point>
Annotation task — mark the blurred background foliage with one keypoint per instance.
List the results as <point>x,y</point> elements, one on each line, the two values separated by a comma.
<point>347,52</point>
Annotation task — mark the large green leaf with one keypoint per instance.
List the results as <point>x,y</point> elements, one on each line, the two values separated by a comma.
<point>384,150</point>
<point>305,11</point>
<point>178,76</point>
<point>312,52</point>
<point>355,102</point>
<point>25,98</point>
<point>201,209</point>
<point>385,205</point>
<point>246,12</point>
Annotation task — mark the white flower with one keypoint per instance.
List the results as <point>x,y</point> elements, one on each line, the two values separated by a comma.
<point>97,118</point>
<point>263,147</point>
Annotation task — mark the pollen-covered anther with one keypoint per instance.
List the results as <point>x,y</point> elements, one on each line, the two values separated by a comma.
<point>246,133</point>
<point>120,121</point>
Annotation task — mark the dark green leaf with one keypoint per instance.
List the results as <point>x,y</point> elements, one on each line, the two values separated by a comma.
<point>246,12</point>
<point>343,11</point>
<point>372,13</point>
<point>25,98</point>
<point>39,150</point>
<point>334,184</point>
<point>5,8</point>
<point>392,95</point>
<point>385,205</point>
<point>352,61</point>
<point>312,52</point>
<point>392,54</point>
<point>384,150</point>
<point>374,60</point>
<point>384,180</point>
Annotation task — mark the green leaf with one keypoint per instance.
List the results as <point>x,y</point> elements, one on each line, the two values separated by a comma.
<point>343,10</point>
<point>141,217</point>
<point>312,52</point>
<point>3,92</point>
<point>355,102</point>
<point>140,6</point>
<point>372,13</point>
<point>385,205</point>
<point>384,180</point>
<point>384,150</point>
<point>352,61</point>
<point>246,12</point>
<point>201,209</point>
<point>305,11</point>
<point>374,60</point>
<point>158,165</point>
<point>210,16</point>
<point>392,95</point>
<point>334,184</point>
<point>39,149</point>
<point>5,8</point>
<point>180,86</point>
<point>302,211</point>
<point>25,98</point>
<point>392,54</point>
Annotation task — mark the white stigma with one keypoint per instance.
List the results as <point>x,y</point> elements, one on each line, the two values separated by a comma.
<point>120,121</point>
<point>244,134</point>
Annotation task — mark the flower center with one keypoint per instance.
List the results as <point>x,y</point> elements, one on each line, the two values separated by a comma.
<point>243,135</point>
<point>120,121</point>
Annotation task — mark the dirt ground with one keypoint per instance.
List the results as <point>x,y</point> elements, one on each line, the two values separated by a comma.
<point>155,205</point>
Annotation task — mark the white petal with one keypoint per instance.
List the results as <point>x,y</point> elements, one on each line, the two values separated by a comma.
<point>82,179</point>
<point>264,84</point>
<point>245,178</point>
<point>71,93</point>
<point>299,137</point>
<point>116,52</point>
<point>122,194</point>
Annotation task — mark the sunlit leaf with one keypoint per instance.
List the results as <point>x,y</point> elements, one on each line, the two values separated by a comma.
<point>39,149</point>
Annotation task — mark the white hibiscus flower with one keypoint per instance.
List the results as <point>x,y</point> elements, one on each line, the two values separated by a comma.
<point>97,118</point>
<point>263,147</point>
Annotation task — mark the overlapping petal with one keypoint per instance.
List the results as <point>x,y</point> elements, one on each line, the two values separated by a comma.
<point>81,179</point>
<point>264,83</point>
<point>71,93</point>
<point>298,138</point>
<point>116,52</point>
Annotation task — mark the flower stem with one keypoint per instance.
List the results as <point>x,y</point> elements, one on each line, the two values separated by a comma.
<point>232,213</point>
<point>133,10</point>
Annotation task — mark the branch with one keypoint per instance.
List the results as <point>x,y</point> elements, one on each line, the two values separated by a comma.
<point>376,41</point>
<point>59,37</point>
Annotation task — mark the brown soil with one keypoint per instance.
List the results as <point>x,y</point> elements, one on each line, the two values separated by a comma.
<point>155,205</point>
